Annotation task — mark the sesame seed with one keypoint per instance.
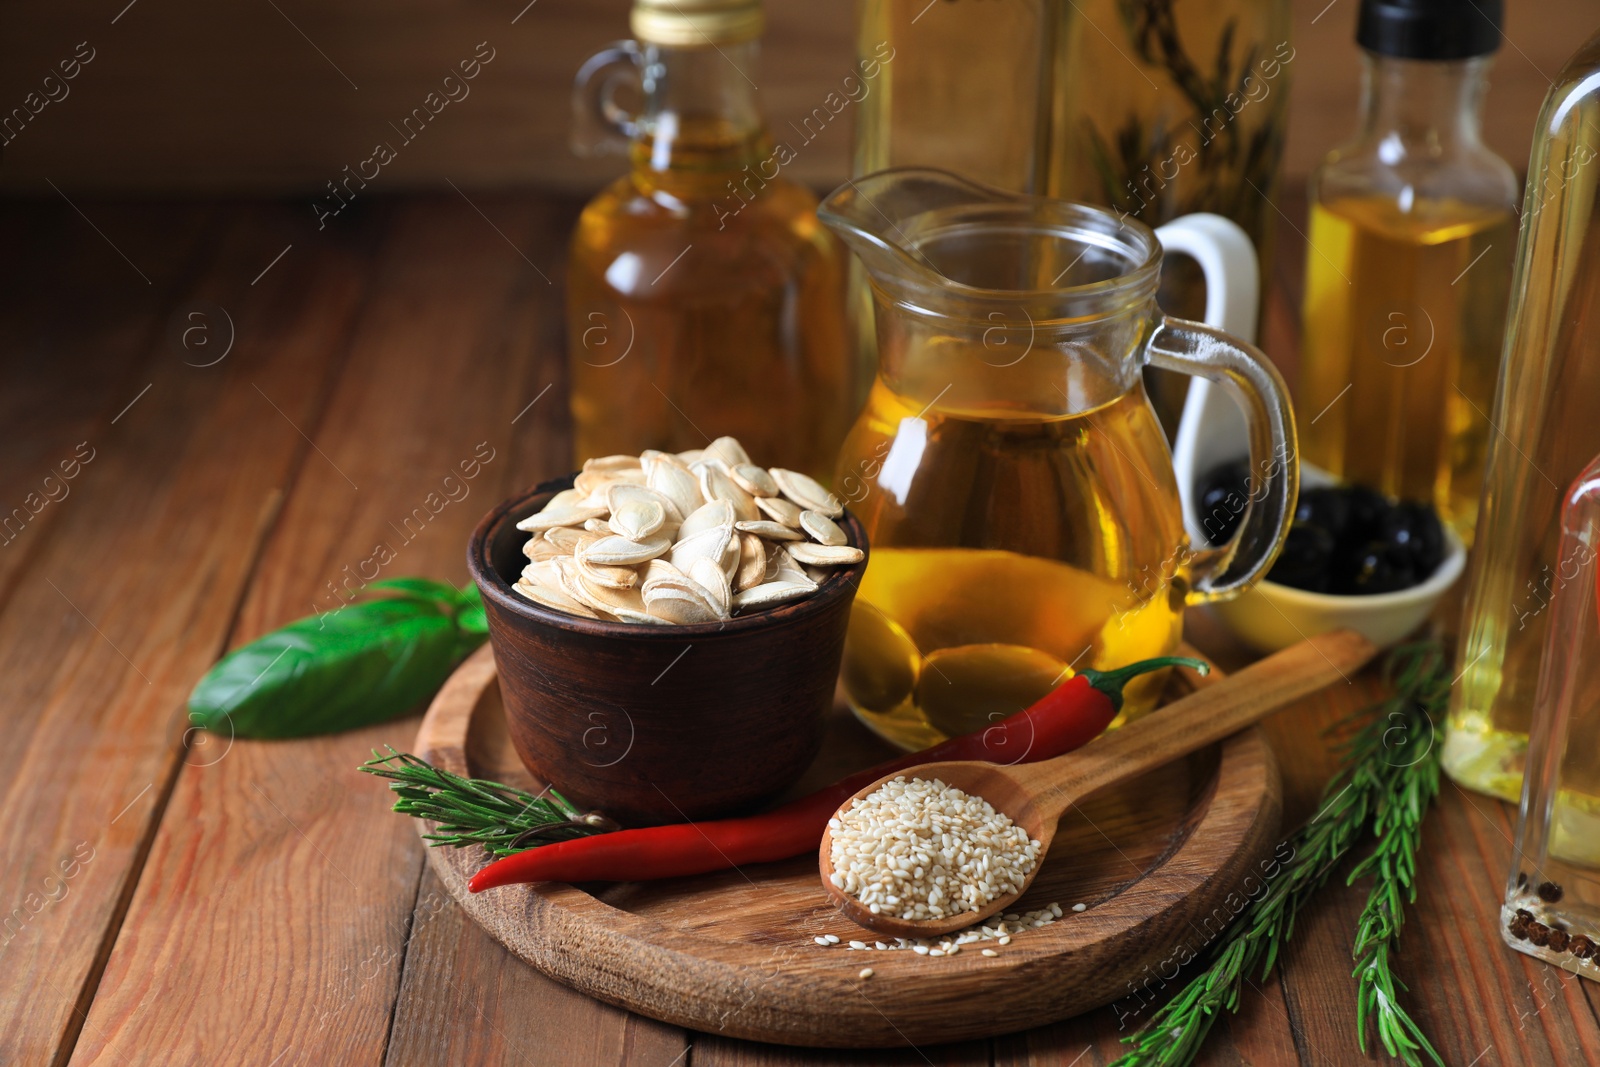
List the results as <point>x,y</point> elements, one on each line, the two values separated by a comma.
<point>990,952</point>
<point>1079,907</point>
<point>821,941</point>
<point>866,972</point>
<point>925,850</point>
<point>833,939</point>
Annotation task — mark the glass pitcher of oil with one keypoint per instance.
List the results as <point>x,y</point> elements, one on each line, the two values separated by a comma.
<point>1009,469</point>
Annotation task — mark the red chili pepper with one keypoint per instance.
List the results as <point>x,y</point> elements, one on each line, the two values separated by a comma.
<point>1068,717</point>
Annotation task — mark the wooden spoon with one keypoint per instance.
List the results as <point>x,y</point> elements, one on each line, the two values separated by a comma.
<point>1035,795</point>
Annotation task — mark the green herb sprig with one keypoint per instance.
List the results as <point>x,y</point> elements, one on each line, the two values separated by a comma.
<point>1422,688</point>
<point>471,811</point>
<point>1389,773</point>
<point>360,664</point>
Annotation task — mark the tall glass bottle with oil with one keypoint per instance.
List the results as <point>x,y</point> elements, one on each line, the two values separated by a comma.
<point>703,296</point>
<point>1546,432</point>
<point>1408,269</point>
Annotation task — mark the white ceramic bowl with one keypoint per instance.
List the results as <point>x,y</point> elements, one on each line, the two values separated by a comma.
<point>1272,616</point>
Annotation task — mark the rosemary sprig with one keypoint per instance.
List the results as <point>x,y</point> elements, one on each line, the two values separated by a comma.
<point>1372,780</point>
<point>471,811</point>
<point>1422,688</point>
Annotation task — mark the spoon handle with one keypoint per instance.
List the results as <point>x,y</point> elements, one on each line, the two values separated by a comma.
<point>1203,717</point>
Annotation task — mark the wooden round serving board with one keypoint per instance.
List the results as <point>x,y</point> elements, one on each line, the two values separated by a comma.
<point>733,952</point>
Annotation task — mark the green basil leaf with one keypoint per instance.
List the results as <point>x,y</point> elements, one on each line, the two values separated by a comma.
<point>361,664</point>
<point>419,589</point>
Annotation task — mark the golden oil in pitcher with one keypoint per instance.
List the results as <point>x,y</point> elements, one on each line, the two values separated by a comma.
<point>947,639</point>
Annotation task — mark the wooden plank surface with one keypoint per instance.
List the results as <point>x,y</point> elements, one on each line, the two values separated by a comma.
<point>124,598</point>
<point>287,836</point>
<point>273,907</point>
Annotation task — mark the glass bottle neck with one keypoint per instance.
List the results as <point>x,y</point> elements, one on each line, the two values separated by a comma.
<point>700,117</point>
<point>1411,105</point>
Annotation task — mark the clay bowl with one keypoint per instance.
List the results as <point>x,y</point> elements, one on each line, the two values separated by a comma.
<point>657,724</point>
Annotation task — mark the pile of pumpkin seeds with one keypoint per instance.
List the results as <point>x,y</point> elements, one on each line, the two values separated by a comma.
<point>674,538</point>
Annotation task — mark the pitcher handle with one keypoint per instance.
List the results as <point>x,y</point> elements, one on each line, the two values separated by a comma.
<point>1274,483</point>
<point>600,125</point>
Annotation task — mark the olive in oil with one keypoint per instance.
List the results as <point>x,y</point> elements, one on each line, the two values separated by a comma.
<point>1010,549</point>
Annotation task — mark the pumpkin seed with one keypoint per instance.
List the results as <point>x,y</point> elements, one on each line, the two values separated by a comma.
<point>708,575</point>
<point>707,544</point>
<point>611,463</point>
<point>636,512</point>
<point>729,450</point>
<point>807,492</point>
<point>716,485</point>
<point>780,509</point>
<point>617,551</point>
<point>679,538</point>
<point>771,593</point>
<point>706,517</point>
<point>824,555</point>
<point>820,527</point>
<point>772,531</point>
<point>752,562</point>
<point>677,604</point>
<point>753,480</point>
<point>677,485</point>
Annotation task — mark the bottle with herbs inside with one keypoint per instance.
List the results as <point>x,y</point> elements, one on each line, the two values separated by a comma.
<point>1546,435</point>
<point>702,291</point>
<point>1408,268</point>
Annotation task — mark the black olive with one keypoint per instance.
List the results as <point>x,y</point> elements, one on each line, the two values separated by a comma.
<point>1305,560</point>
<point>1224,495</point>
<point>1415,528</point>
<point>1327,508</point>
<point>1367,511</point>
<point>1380,567</point>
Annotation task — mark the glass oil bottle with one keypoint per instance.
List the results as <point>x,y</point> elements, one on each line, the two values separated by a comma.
<point>1546,432</point>
<point>1408,268</point>
<point>1552,906</point>
<point>704,297</point>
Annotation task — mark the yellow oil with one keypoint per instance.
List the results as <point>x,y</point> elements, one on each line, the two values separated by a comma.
<point>1404,320</point>
<point>1546,434</point>
<point>1008,548</point>
<point>706,299</point>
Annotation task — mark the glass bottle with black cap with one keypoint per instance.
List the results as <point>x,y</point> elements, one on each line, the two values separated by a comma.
<point>1408,268</point>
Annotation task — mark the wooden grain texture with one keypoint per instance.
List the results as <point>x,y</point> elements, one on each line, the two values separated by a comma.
<point>187,95</point>
<point>457,1007</point>
<point>97,652</point>
<point>74,366</point>
<point>732,952</point>
<point>275,905</point>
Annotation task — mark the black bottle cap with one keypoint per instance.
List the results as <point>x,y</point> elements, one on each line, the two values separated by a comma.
<point>1430,29</point>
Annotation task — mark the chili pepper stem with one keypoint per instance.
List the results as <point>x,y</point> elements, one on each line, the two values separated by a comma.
<point>1111,682</point>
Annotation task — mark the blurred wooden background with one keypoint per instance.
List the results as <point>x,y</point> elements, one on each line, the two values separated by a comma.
<point>277,96</point>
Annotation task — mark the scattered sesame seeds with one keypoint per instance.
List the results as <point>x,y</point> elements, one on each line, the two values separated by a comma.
<point>996,931</point>
<point>926,850</point>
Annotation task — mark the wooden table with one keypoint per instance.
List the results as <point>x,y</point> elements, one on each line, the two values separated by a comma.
<point>256,406</point>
